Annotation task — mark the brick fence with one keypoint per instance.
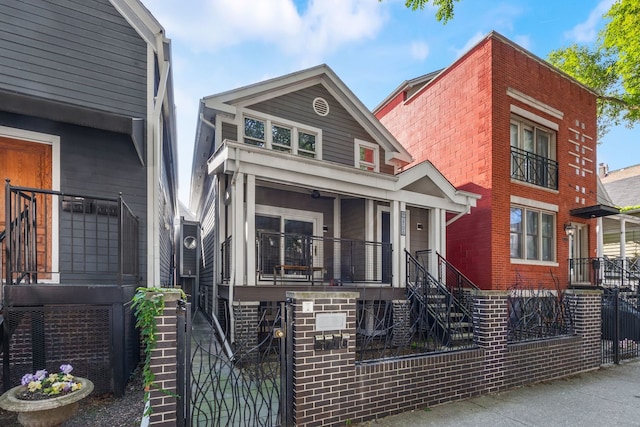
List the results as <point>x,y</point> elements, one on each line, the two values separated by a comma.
<point>329,388</point>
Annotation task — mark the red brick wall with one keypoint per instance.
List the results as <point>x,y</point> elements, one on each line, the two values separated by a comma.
<point>460,122</point>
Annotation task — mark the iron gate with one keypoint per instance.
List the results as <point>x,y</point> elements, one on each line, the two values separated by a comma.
<point>240,384</point>
<point>620,325</point>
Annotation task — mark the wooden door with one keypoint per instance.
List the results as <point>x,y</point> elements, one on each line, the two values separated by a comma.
<point>29,164</point>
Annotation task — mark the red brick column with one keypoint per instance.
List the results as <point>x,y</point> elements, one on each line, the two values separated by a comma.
<point>164,364</point>
<point>323,360</point>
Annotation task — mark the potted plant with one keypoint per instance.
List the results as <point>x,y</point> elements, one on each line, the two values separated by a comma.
<point>46,399</point>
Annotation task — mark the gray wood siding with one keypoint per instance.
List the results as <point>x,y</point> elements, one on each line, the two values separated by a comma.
<point>338,128</point>
<point>81,52</point>
<point>300,201</point>
<point>352,219</point>
<point>94,163</point>
<point>210,251</point>
<point>229,131</point>
<point>165,233</point>
<point>419,238</point>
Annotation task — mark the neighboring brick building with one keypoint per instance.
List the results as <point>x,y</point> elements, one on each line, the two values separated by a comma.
<point>505,124</point>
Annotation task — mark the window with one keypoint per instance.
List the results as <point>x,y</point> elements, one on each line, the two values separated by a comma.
<point>366,155</point>
<point>532,234</point>
<point>281,136</point>
<point>533,154</point>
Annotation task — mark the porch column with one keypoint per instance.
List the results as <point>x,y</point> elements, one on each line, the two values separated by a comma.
<point>599,238</point>
<point>404,227</point>
<point>437,238</point>
<point>337,234</point>
<point>239,241</point>
<point>623,241</point>
<point>369,233</point>
<point>251,230</point>
<point>395,244</point>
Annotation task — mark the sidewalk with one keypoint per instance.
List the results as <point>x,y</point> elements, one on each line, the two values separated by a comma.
<point>609,396</point>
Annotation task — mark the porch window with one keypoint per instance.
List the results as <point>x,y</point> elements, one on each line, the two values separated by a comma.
<point>366,155</point>
<point>533,154</point>
<point>281,135</point>
<point>532,235</point>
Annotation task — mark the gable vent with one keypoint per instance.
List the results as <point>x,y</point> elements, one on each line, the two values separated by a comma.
<point>321,106</point>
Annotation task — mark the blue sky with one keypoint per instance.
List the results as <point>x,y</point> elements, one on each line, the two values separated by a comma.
<point>373,46</point>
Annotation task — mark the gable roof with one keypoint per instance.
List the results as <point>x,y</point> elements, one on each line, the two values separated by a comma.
<point>227,103</point>
<point>415,86</point>
<point>622,186</point>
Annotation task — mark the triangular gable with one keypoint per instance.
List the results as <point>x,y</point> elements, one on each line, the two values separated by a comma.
<point>227,102</point>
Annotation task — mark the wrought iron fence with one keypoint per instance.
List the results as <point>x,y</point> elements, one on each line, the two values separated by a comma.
<point>430,320</point>
<point>295,257</point>
<point>606,272</point>
<point>537,313</point>
<point>97,237</point>
<point>534,169</point>
<point>240,385</point>
<point>620,325</point>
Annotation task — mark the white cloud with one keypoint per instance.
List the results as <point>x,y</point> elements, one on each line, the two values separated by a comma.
<point>587,31</point>
<point>323,25</point>
<point>470,43</point>
<point>419,50</point>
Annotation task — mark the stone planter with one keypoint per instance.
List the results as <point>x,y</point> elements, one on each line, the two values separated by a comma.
<point>50,412</point>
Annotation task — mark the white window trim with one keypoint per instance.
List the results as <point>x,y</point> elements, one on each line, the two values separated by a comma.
<point>553,134</point>
<point>540,211</point>
<point>54,141</point>
<point>270,120</point>
<point>376,153</point>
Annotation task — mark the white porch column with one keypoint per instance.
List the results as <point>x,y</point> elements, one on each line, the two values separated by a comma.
<point>403,231</point>
<point>369,233</point>
<point>599,238</point>
<point>239,241</point>
<point>437,237</point>
<point>337,234</point>
<point>395,243</point>
<point>623,242</point>
<point>251,230</point>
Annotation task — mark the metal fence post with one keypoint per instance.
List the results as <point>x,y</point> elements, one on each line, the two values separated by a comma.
<point>616,326</point>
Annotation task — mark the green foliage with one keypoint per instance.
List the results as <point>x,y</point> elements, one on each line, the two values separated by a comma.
<point>148,303</point>
<point>611,67</point>
<point>444,8</point>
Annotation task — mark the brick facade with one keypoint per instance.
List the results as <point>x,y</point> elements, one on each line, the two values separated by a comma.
<point>330,389</point>
<point>460,121</point>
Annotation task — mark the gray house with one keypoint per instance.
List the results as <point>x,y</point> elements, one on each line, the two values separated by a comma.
<point>297,186</point>
<point>88,147</point>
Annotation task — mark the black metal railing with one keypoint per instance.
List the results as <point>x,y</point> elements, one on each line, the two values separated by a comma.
<point>534,169</point>
<point>430,320</point>
<point>606,272</point>
<point>457,283</point>
<point>620,326</point>
<point>537,313</point>
<point>284,257</point>
<point>97,238</point>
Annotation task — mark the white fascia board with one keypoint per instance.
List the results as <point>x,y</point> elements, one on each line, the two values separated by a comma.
<point>297,171</point>
<point>219,106</point>
<point>140,19</point>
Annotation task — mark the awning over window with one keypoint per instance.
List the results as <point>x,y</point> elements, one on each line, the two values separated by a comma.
<point>595,211</point>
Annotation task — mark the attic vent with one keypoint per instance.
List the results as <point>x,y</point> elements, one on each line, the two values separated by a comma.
<point>321,106</point>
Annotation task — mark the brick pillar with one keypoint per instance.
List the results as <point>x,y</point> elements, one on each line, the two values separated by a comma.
<point>401,322</point>
<point>323,373</point>
<point>246,314</point>
<point>164,364</point>
<point>490,322</point>
<point>587,315</point>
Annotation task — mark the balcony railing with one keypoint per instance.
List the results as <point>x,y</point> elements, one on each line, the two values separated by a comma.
<point>96,237</point>
<point>606,272</point>
<point>285,257</point>
<point>534,169</point>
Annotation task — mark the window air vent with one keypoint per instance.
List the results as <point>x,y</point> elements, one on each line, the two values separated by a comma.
<point>321,106</point>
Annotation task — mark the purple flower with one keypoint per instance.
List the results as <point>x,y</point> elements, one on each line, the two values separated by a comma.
<point>66,369</point>
<point>40,375</point>
<point>27,378</point>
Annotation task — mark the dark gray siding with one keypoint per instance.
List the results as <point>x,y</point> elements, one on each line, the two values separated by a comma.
<point>352,219</point>
<point>419,238</point>
<point>81,52</point>
<point>94,163</point>
<point>165,232</point>
<point>338,128</point>
<point>210,252</point>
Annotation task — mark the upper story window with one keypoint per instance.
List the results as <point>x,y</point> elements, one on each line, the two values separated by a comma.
<point>533,153</point>
<point>282,135</point>
<point>533,234</point>
<point>366,156</point>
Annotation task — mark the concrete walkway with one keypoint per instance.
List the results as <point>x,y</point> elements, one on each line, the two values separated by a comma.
<point>609,396</point>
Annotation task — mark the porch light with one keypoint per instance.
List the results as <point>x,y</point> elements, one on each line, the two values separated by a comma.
<point>569,228</point>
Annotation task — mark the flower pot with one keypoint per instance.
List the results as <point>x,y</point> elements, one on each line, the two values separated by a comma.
<point>49,412</point>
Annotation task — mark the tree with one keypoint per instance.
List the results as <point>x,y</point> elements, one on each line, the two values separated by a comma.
<point>611,67</point>
<point>444,12</point>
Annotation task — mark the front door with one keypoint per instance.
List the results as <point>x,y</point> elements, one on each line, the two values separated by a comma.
<point>29,164</point>
<point>579,254</point>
